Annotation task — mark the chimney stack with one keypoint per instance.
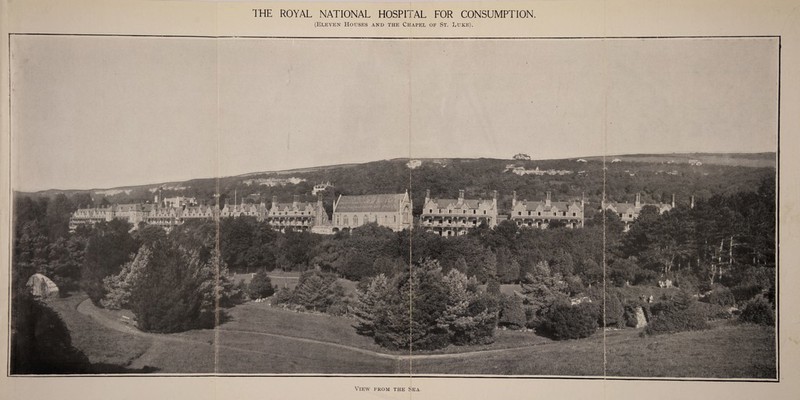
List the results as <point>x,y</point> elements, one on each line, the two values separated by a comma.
<point>427,195</point>
<point>294,201</point>
<point>275,203</point>
<point>547,200</point>
<point>513,199</point>
<point>673,200</point>
<point>460,196</point>
<point>638,200</point>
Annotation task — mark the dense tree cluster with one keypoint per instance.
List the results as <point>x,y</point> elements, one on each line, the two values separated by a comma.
<point>315,291</point>
<point>680,313</point>
<point>425,309</point>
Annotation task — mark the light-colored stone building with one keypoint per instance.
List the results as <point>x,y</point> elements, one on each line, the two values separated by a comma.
<point>454,217</point>
<point>298,216</point>
<point>629,212</point>
<point>389,210</point>
<point>542,214</point>
<point>257,211</point>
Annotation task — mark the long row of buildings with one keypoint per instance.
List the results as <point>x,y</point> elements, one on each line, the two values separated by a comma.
<point>443,216</point>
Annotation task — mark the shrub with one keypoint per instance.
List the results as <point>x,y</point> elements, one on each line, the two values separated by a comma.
<point>681,313</point>
<point>340,307</point>
<point>317,290</point>
<point>615,311</point>
<point>758,311</point>
<point>512,313</point>
<point>743,293</point>
<point>40,341</point>
<point>179,290</point>
<point>715,311</point>
<point>571,322</point>
<point>720,296</point>
<point>423,289</point>
<point>283,296</point>
<point>260,286</point>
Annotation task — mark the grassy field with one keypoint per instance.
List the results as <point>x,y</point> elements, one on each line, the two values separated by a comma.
<point>101,344</point>
<point>728,350</point>
<point>262,339</point>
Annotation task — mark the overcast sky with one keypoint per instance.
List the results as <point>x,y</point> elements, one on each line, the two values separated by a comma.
<point>97,112</point>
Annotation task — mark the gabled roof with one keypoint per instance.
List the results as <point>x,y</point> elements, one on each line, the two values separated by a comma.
<point>467,203</point>
<point>623,207</point>
<point>541,205</point>
<point>370,203</point>
<point>290,206</point>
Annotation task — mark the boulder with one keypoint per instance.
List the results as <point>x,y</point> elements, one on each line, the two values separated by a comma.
<point>41,286</point>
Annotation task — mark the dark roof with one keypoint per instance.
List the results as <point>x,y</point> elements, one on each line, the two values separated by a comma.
<point>628,206</point>
<point>289,206</point>
<point>623,206</point>
<point>444,203</point>
<point>560,205</point>
<point>370,203</point>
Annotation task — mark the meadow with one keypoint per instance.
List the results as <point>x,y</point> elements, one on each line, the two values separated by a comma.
<point>261,339</point>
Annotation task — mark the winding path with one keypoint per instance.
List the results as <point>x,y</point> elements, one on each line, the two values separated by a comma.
<point>160,340</point>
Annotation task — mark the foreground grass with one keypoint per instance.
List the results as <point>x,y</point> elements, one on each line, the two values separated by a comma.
<point>728,350</point>
<point>260,317</point>
<point>100,344</point>
<point>263,339</point>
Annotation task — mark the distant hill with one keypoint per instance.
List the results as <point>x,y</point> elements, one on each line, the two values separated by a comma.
<point>755,160</point>
<point>655,176</point>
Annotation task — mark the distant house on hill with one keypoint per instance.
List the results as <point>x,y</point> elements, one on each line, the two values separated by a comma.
<point>389,210</point>
<point>320,187</point>
<point>521,156</point>
<point>454,217</point>
<point>541,214</point>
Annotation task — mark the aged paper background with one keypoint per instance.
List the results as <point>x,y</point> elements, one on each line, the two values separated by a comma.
<point>554,19</point>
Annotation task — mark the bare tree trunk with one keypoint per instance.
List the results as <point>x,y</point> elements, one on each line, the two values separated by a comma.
<point>721,244</point>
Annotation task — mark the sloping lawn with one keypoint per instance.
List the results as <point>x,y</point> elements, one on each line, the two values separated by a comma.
<point>102,345</point>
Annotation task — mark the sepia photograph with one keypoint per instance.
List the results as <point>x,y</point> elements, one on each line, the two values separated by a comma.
<point>496,207</point>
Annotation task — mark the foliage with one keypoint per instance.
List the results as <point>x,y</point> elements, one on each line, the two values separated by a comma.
<point>260,286</point>
<point>720,296</point>
<point>370,300</point>
<point>180,288</point>
<point>283,296</point>
<point>317,290</point>
<point>118,287</point>
<point>542,289</point>
<point>758,311</point>
<point>614,310</point>
<point>469,317</point>
<point>109,247</point>
<point>571,322</point>
<point>425,309</point>
<point>40,341</point>
<point>715,311</point>
<point>415,302</point>
<point>512,313</point>
<point>681,313</point>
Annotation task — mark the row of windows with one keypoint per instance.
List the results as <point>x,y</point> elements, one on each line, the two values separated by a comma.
<point>555,214</point>
<point>450,211</point>
<point>365,220</point>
